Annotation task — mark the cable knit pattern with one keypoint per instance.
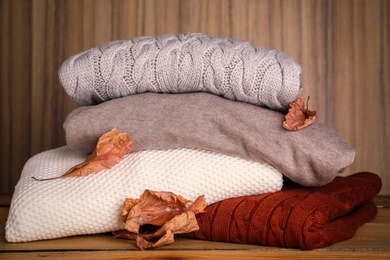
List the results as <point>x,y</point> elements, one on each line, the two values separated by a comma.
<point>294,217</point>
<point>183,63</point>
<point>93,204</point>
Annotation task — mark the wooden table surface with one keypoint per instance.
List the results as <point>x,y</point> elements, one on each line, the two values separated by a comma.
<point>371,241</point>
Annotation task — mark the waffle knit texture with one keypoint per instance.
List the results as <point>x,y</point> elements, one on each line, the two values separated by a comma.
<point>183,63</point>
<point>294,217</point>
<point>312,156</point>
<point>93,204</point>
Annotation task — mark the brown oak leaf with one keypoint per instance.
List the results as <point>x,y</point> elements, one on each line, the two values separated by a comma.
<point>298,116</point>
<point>110,149</point>
<point>161,214</point>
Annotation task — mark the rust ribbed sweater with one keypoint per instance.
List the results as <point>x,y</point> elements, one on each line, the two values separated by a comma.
<point>296,216</point>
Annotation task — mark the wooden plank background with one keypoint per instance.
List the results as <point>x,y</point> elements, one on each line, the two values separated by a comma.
<point>342,45</point>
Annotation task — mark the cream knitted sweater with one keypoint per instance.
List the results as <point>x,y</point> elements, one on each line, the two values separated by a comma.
<point>93,204</point>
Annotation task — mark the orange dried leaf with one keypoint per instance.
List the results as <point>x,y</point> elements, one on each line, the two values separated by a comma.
<point>199,205</point>
<point>184,223</point>
<point>110,149</point>
<point>298,116</point>
<point>154,208</point>
<point>143,244</point>
<point>124,234</point>
<point>173,214</point>
<point>128,205</point>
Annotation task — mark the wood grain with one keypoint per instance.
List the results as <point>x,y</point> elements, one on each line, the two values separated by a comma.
<point>193,254</point>
<point>343,47</point>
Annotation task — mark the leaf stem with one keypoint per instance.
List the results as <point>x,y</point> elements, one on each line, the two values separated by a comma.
<point>48,179</point>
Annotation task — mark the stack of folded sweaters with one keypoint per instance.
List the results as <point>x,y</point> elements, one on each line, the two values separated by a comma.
<point>205,115</point>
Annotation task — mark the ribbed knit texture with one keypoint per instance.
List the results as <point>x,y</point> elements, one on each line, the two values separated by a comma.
<point>312,156</point>
<point>93,204</point>
<point>294,217</point>
<point>183,63</point>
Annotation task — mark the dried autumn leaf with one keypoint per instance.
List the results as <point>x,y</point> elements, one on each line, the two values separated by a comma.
<point>171,212</point>
<point>153,208</point>
<point>125,234</point>
<point>298,116</point>
<point>199,205</point>
<point>184,223</point>
<point>110,149</point>
<point>128,205</point>
<point>166,239</point>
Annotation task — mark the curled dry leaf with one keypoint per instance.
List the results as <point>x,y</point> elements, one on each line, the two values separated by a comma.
<point>167,238</point>
<point>110,149</point>
<point>298,116</point>
<point>199,205</point>
<point>170,213</point>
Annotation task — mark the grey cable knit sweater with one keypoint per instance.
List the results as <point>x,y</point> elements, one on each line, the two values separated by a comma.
<point>183,63</point>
